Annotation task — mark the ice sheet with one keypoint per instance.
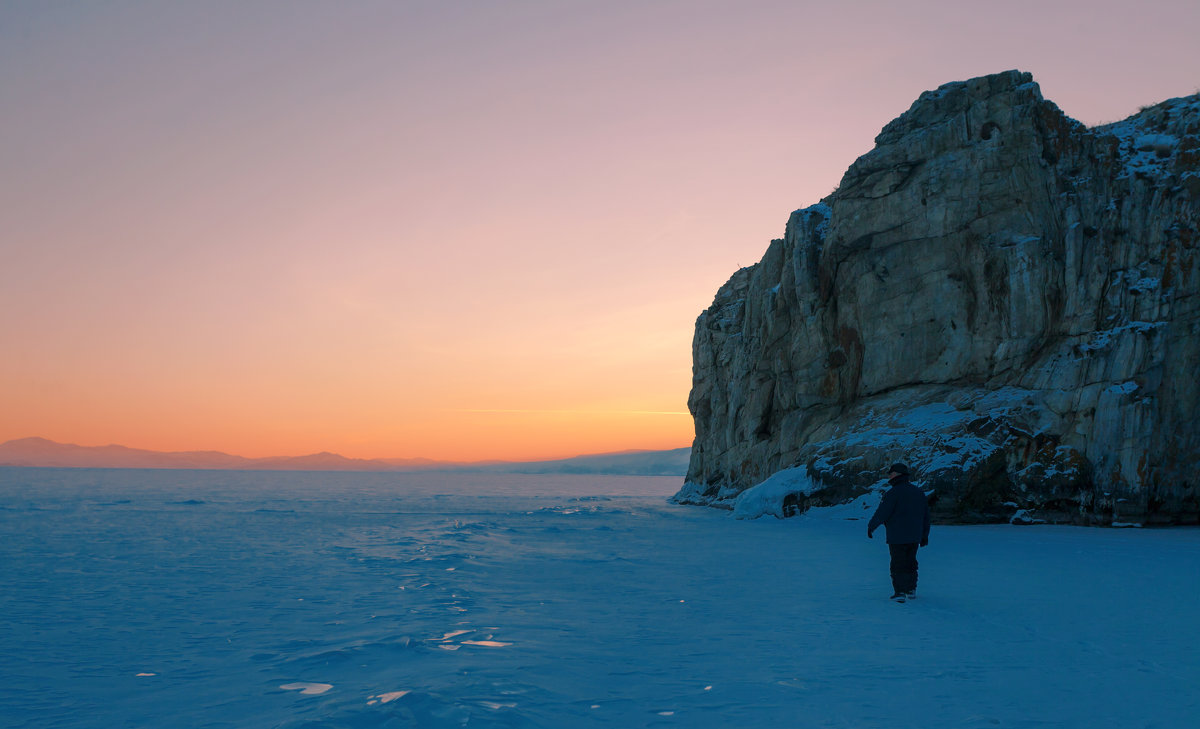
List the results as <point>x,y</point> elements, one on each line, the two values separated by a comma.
<point>573,602</point>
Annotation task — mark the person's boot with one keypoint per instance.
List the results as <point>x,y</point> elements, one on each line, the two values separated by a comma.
<point>899,597</point>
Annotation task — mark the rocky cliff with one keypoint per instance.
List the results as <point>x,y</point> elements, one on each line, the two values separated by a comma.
<point>996,294</point>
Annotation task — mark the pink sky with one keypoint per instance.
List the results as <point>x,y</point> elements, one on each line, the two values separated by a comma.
<point>457,230</point>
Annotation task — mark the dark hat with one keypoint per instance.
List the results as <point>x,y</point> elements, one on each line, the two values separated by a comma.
<point>898,468</point>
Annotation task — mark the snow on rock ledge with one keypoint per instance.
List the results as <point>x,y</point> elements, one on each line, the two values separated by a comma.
<point>996,294</point>
<point>770,496</point>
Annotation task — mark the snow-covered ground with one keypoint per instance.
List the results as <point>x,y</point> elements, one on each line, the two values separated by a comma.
<point>227,599</point>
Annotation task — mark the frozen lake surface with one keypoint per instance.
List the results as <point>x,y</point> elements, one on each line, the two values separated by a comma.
<point>238,599</point>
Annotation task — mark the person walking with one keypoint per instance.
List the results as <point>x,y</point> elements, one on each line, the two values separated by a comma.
<point>904,515</point>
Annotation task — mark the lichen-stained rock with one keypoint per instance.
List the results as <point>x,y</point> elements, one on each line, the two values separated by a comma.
<point>997,294</point>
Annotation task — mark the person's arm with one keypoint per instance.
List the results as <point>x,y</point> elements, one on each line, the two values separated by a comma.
<point>883,513</point>
<point>925,533</point>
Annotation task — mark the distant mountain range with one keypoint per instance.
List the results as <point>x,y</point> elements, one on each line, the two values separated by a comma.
<point>40,452</point>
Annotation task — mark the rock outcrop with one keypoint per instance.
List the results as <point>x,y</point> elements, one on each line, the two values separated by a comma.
<point>996,294</point>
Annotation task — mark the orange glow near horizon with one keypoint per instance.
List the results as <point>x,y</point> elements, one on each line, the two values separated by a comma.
<point>400,230</point>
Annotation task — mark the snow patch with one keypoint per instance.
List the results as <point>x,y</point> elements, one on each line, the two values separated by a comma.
<point>859,509</point>
<point>1023,516</point>
<point>1146,283</point>
<point>451,634</point>
<point>690,493</point>
<point>1103,339</point>
<point>305,687</point>
<point>1144,154</point>
<point>1123,388</point>
<point>768,496</point>
<point>1154,142</point>
<point>386,698</point>
<point>826,214</point>
<point>933,435</point>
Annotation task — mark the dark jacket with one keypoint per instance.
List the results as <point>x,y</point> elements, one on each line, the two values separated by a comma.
<point>904,512</point>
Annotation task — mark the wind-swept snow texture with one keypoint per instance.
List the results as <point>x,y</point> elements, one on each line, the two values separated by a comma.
<point>232,599</point>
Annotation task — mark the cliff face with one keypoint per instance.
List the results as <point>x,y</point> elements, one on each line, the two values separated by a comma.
<point>997,295</point>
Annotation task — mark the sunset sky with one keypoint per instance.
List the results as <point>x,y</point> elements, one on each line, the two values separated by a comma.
<point>454,230</point>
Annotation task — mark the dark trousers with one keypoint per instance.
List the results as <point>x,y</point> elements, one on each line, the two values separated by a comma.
<point>904,566</point>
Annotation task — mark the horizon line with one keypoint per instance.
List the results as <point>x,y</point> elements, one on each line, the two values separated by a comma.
<point>367,459</point>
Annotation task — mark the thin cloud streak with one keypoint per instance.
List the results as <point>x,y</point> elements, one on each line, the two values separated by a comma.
<point>566,412</point>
